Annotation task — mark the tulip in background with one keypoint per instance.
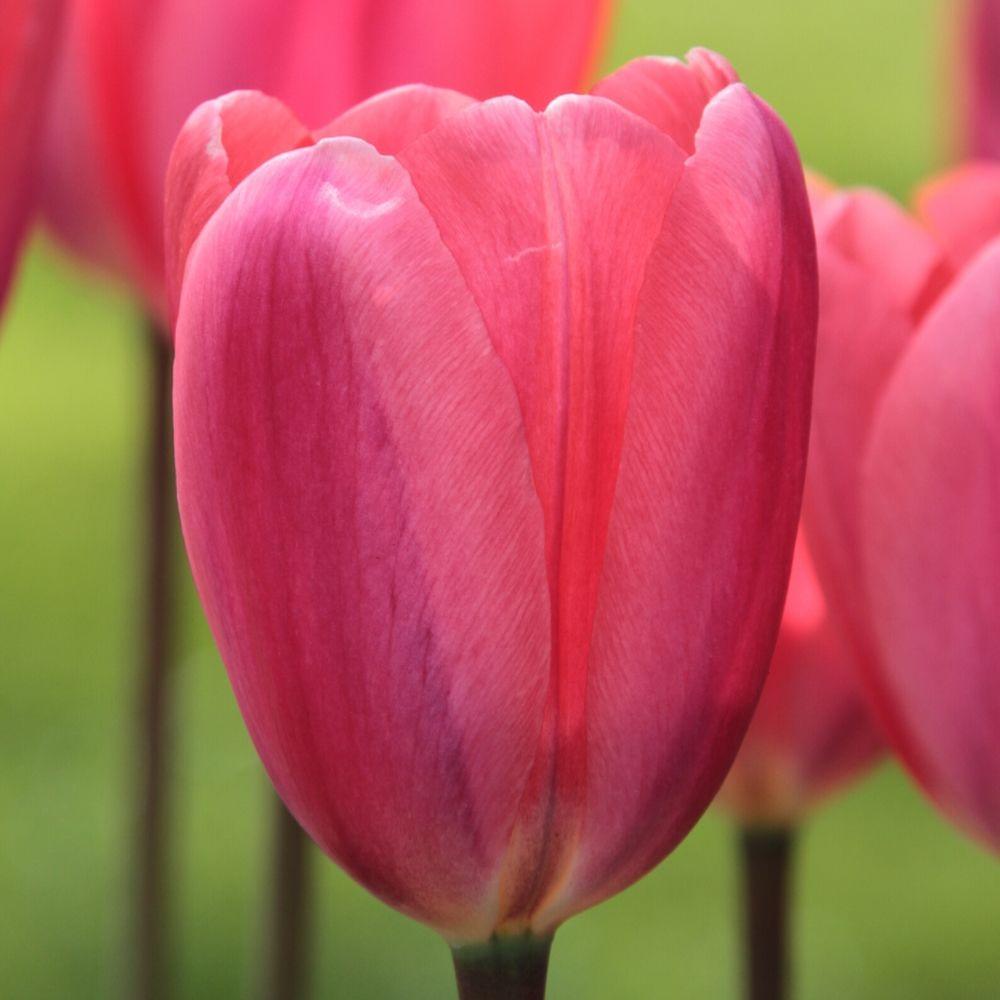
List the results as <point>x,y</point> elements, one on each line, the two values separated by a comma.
<point>903,494</point>
<point>29,33</point>
<point>131,72</point>
<point>491,429</point>
<point>812,732</point>
<point>981,42</point>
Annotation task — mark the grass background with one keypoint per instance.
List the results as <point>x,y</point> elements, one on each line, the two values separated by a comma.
<point>891,903</point>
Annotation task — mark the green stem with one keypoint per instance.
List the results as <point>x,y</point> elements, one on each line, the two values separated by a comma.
<point>503,968</point>
<point>288,932</point>
<point>767,855</point>
<point>148,924</point>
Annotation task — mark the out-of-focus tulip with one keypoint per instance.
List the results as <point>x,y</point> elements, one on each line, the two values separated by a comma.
<point>490,444</point>
<point>889,289</point>
<point>812,731</point>
<point>29,32</point>
<point>134,69</point>
<point>931,528</point>
<point>982,56</point>
<point>879,272</point>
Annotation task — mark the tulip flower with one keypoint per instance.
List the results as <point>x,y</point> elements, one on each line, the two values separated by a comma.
<point>134,69</point>
<point>982,57</point>
<point>931,526</point>
<point>491,427</point>
<point>812,733</point>
<point>29,31</point>
<point>901,499</point>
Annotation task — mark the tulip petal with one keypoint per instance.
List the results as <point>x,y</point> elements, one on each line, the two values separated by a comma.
<point>391,120</point>
<point>932,547</point>
<point>74,192</point>
<point>668,92</point>
<point>350,449</point>
<point>533,49</point>
<point>220,144</point>
<point>870,230</point>
<point>962,209</point>
<point>707,502</point>
<point>812,729</point>
<point>871,306</point>
<point>517,197</point>
<point>29,32</point>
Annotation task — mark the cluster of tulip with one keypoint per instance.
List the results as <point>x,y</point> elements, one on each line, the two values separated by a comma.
<point>491,418</point>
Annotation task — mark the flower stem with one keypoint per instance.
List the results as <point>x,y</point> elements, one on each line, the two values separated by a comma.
<point>503,968</point>
<point>153,742</point>
<point>286,948</point>
<point>767,855</point>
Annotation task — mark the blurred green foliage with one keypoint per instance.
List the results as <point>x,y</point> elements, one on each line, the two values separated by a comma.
<point>892,904</point>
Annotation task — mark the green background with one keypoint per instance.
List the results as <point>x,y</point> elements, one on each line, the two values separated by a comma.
<point>891,902</point>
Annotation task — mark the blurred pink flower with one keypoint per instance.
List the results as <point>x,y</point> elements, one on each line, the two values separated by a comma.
<point>901,502</point>
<point>812,731</point>
<point>134,69</point>
<point>490,446</point>
<point>29,32</point>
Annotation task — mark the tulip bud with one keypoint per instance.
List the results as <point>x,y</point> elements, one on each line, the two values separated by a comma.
<point>901,499</point>
<point>491,428</point>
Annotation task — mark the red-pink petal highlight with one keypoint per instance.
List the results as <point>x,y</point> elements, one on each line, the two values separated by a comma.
<point>221,143</point>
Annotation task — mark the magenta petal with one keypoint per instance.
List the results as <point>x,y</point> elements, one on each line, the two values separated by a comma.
<point>932,546</point>
<point>358,507</point>
<point>220,144</point>
<point>706,507</point>
<point>391,120</point>
<point>518,197</point>
<point>668,92</point>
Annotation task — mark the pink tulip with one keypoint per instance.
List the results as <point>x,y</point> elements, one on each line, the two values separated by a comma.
<point>931,524</point>
<point>29,31</point>
<point>812,731</point>
<point>134,69</point>
<point>982,43</point>
<point>901,498</point>
<point>490,445</point>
